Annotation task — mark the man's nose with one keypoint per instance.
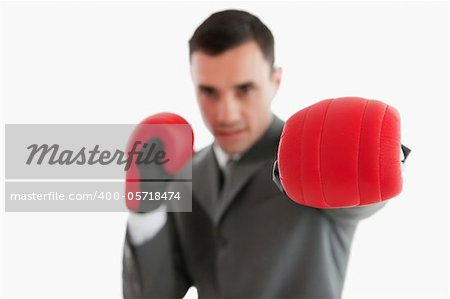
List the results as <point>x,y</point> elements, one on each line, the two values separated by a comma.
<point>228,111</point>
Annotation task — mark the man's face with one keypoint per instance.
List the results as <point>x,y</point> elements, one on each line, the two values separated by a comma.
<point>234,92</point>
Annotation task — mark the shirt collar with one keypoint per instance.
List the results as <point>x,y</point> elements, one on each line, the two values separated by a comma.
<point>222,157</point>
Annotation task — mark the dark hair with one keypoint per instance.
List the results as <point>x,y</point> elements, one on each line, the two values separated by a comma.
<point>230,28</point>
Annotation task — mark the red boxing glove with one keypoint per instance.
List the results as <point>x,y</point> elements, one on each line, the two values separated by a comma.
<point>165,133</point>
<point>341,152</point>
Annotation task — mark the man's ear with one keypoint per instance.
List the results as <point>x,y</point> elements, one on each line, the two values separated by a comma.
<point>276,78</point>
<point>277,71</point>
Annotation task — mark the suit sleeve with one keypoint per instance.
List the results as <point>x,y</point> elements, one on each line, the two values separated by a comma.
<point>154,269</point>
<point>351,216</point>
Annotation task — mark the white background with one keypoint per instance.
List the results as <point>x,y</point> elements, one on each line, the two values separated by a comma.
<point>118,62</point>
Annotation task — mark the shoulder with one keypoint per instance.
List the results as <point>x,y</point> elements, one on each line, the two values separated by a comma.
<point>201,155</point>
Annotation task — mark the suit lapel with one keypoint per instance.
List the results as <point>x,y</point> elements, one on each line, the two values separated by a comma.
<point>206,171</point>
<point>241,175</point>
<point>205,183</point>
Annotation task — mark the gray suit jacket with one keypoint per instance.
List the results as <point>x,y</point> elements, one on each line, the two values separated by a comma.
<point>254,242</point>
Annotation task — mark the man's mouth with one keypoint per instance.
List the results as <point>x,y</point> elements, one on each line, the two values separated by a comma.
<point>229,133</point>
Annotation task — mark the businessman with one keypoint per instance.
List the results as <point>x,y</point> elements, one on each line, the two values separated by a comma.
<point>244,237</point>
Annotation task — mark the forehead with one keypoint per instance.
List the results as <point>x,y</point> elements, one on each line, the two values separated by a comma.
<point>240,64</point>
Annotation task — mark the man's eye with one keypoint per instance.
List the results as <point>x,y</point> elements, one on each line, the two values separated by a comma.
<point>243,90</point>
<point>207,93</point>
